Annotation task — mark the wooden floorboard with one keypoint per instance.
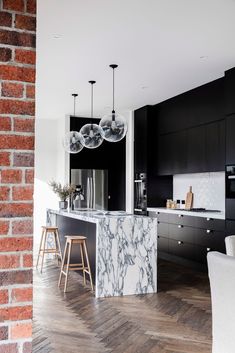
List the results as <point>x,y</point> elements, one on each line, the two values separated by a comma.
<point>175,320</point>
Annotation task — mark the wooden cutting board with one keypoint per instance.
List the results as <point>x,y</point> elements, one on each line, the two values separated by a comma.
<point>189,199</point>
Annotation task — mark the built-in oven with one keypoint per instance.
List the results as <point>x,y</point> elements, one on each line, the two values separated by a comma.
<point>230,181</point>
<point>140,195</point>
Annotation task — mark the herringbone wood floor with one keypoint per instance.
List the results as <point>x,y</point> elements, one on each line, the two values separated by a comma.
<point>175,320</point>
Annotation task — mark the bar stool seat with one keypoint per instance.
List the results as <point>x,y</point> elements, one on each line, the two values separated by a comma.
<point>43,249</point>
<point>66,267</point>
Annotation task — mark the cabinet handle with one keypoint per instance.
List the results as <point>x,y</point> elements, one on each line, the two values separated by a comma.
<point>208,231</point>
<point>180,215</point>
<point>180,226</point>
<point>180,242</point>
<point>208,249</point>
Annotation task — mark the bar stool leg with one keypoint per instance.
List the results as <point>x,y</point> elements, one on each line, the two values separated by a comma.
<point>59,247</point>
<point>62,264</point>
<point>43,248</point>
<point>67,269</point>
<point>83,265</point>
<point>88,265</point>
<point>40,247</point>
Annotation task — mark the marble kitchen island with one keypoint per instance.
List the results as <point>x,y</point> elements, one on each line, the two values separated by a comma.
<point>122,249</point>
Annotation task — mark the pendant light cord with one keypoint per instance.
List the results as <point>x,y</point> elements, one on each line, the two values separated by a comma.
<point>92,83</point>
<point>113,92</point>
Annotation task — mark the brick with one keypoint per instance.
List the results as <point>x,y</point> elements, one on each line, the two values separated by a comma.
<point>31,6</point>
<point>22,227</point>
<point>25,56</point>
<point>24,125</point>
<point>9,348</point>
<point>5,124</point>
<point>29,176</point>
<point>9,261</point>
<point>28,260</point>
<point>27,347</point>
<point>16,107</point>
<point>22,193</point>
<point>4,227</point>
<point>16,277</point>
<point>5,19</point>
<point>15,313</point>
<point>30,91</point>
<point>3,333</point>
<point>18,39</point>
<point>4,193</point>
<point>25,22</point>
<point>4,296</point>
<point>23,159</point>
<point>17,142</point>
<point>17,73</point>
<point>16,209</point>
<point>5,54</point>
<point>5,158</point>
<point>14,5</point>
<point>20,295</point>
<point>21,330</point>
<point>16,244</point>
<point>10,89</point>
<point>11,176</point>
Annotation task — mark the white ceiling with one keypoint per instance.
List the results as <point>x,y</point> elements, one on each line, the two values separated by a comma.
<point>162,47</point>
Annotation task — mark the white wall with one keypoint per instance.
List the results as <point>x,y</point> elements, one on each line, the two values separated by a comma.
<point>208,189</point>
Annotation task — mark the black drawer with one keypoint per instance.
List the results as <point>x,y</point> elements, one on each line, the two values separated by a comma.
<point>209,238</point>
<point>201,252</point>
<point>181,232</point>
<point>230,227</point>
<point>163,244</point>
<point>182,219</point>
<point>163,217</point>
<point>182,249</point>
<point>210,223</point>
<point>163,229</point>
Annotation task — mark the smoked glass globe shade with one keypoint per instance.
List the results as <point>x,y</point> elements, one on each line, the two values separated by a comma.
<point>92,135</point>
<point>73,142</point>
<point>114,127</point>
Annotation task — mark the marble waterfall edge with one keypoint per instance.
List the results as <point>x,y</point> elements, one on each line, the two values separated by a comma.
<point>126,256</point>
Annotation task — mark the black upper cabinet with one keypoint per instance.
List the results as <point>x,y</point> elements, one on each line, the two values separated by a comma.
<point>230,92</point>
<point>230,139</point>
<point>195,150</point>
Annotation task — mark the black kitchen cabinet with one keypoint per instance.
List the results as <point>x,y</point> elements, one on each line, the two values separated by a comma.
<point>190,237</point>
<point>199,149</point>
<point>229,91</point>
<point>230,139</point>
<point>110,156</point>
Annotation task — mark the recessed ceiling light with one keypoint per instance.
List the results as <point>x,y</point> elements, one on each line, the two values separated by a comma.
<point>57,36</point>
<point>203,57</point>
<point>144,87</point>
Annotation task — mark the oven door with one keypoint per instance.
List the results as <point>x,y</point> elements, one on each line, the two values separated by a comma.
<point>230,182</point>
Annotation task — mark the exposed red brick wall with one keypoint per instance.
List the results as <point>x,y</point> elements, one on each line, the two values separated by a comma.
<point>17,109</point>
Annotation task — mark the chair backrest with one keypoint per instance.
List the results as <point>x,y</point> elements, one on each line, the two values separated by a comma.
<point>230,245</point>
<point>222,282</point>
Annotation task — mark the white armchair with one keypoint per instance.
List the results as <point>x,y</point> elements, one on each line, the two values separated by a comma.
<point>222,282</point>
<point>230,245</point>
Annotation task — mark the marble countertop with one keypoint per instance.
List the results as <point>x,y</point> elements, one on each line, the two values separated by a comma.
<point>214,215</point>
<point>94,216</point>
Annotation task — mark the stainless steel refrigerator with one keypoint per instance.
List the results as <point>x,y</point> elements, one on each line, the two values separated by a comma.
<point>94,185</point>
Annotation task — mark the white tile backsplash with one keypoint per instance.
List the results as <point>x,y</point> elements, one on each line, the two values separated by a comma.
<point>208,189</point>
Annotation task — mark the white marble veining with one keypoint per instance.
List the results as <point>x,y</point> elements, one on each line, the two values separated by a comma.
<point>126,252</point>
<point>213,215</point>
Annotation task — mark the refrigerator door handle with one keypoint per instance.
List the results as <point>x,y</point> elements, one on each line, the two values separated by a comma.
<point>88,192</point>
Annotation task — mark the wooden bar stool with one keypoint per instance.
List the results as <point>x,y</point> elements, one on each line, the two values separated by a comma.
<point>66,267</point>
<point>43,249</point>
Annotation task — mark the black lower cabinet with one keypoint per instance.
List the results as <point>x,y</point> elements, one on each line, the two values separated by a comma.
<point>190,238</point>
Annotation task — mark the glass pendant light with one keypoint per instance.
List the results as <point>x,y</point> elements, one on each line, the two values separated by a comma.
<point>114,126</point>
<point>92,133</point>
<point>73,140</point>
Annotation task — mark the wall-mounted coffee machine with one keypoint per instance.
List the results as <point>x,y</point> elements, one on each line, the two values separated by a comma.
<point>140,194</point>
